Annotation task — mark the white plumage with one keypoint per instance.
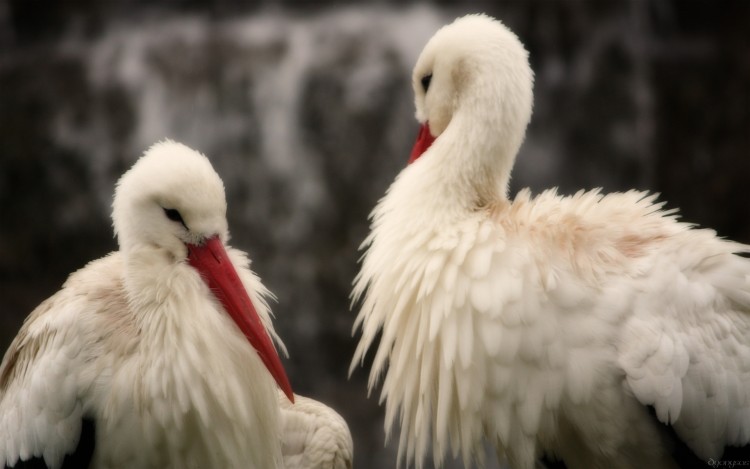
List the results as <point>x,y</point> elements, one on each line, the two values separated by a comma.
<point>545,325</point>
<point>146,353</point>
<point>315,436</point>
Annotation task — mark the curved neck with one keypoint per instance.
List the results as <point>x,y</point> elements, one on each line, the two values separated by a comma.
<point>478,147</point>
<point>469,164</point>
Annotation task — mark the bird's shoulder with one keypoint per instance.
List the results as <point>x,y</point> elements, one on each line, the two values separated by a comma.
<point>60,324</point>
<point>529,243</point>
<point>593,235</point>
<point>628,223</point>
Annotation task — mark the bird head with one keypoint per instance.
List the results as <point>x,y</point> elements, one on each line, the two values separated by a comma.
<point>477,70</point>
<point>172,203</point>
<point>170,198</point>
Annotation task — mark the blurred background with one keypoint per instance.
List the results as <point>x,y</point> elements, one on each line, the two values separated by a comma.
<point>305,109</point>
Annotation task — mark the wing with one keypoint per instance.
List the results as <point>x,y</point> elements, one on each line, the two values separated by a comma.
<point>48,371</point>
<point>41,416</point>
<point>686,349</point>
<point>314,436</point>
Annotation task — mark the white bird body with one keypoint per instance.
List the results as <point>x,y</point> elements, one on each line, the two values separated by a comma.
<point>315,436</point>
<point>547,324</point>
<point>138,344</point>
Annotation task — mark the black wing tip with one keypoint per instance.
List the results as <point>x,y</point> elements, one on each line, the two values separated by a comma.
<point>33,463</point>
<point>79,459</point>
<point>685,458</point>
<point>549,462</point>
<point>682,455</point>
<point>735,456</point>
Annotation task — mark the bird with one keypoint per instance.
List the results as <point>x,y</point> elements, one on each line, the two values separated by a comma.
<point>592,330</point>
<point>314,435</point>
<point>160,354</point>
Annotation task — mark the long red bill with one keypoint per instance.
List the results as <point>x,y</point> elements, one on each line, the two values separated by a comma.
<point>211,260</point>
<point>424,140</point>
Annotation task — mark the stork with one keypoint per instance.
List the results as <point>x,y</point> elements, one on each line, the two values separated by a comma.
<point>142,358</point>
<point>594,330</point>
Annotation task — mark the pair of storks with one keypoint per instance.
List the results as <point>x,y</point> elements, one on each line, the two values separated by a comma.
<point>594,331</point>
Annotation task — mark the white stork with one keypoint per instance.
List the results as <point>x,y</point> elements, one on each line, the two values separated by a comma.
<point>594,329</point>
<point>142,359</point>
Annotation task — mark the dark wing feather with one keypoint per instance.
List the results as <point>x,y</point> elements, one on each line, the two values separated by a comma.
<point>79,459</point>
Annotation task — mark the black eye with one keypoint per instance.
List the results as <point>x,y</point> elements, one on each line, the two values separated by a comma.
<point>174,215</point>
<point>426,82</point>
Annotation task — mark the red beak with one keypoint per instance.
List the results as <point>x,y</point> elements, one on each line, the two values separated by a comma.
<point>424,140</point>
<point>211,260</point>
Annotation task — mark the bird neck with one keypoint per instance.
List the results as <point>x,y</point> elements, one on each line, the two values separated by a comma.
<point>467,168</point>
<point>476,151</point>
<point>149,273</point>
